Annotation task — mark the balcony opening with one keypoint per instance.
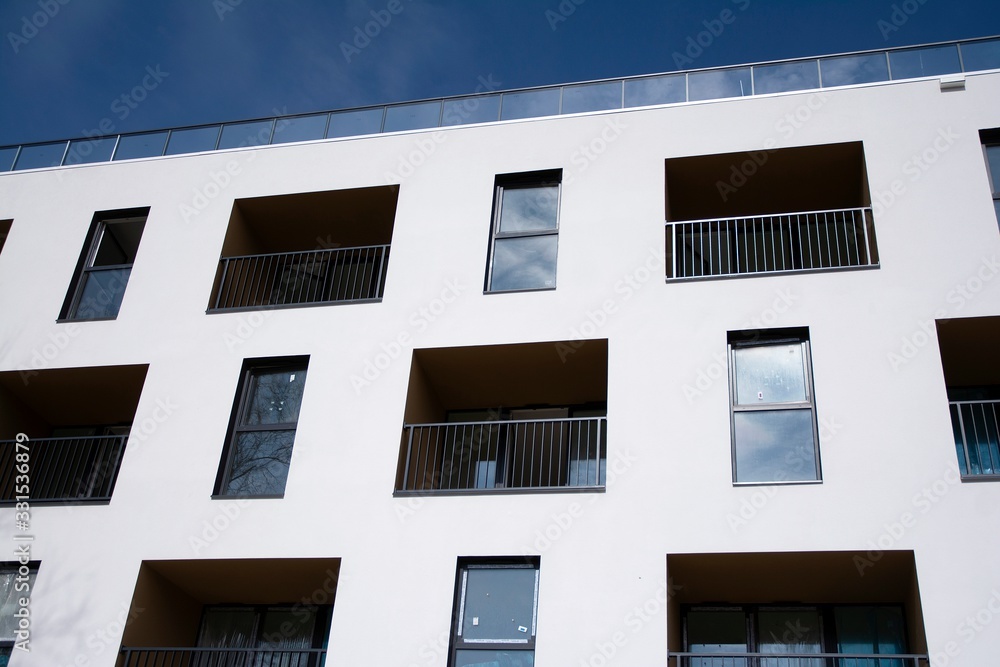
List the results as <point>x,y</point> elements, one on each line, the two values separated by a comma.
<point>304,249</point>
<point>807,609</point>
<point>77,421</point>
<point>973,381</point>
<point>506,418</point>
<point>231,612</point>
<point>5,226</point>
<point>764,212</point>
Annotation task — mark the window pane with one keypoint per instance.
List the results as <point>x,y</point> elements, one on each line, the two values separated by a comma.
<point>192,141</point>
<point>132,146</point>
<point>9,596</point>
<point>529,209</point>
<point>119,243</point>
<point>531,104</point>
<point>494,659</point>
<point>775,446</point>
<point>259,463</point>
<point>862,629</point>
<point>88,151</point>
<point>848,70</point>
<point>239,135</point>
<point>524,263</point>
<point>479,109</point>
<point>300,128</point>
<point>592,97</point>
<point>355,123</point>
<point>7,158</point>
<point>227,628</point>
<point>412,116</point>
<point>101,295</point>
<point>981,55</point>
<point>719,84</point>
<point>929,61</point>
<point>769,374</point>
<point>786,76</point>
<point>993,157</point>
<point>668,89</point>
<point>287,629</point>
<point>38,157</point>
<point>499,604</point>
<point>275,397</point>
<point>715,632</point>
<point>796,631</point>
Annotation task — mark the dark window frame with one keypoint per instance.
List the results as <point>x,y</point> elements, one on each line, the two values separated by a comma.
<point>252,368</point>
<point>7,646</point>
<point>85,265</point>
<point>525,180</point>
<point>457,643</point>
<point>991,140</point>
<point>738,340</point>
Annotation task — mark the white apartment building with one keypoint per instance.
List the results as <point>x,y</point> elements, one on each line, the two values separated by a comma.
<point>696,369</point>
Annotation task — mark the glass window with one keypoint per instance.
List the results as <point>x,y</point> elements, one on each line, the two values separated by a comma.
<point>850,70</point>
<point>467,110</point>
<point>132,146</point>
<point>16,582</point>
<point>981,55</point>
<point>355,123</point>
<point>718,84</point>
<point>299,128</point>
<point>773,416</point>
<point>669,89</point>
<point>99,284</point>
<point>195,140</point>
<point>715,631</point>
<point>525,234</point>
<point>592,97</point>
<point>274,632</point>
<point>784,77</point>
<point>497,614</point>
<point>88,151</point>
<point>927,61</point>
<point>531,104</point>
<point>266,414</point>
<point>993,167</point>
<point>412,116</point>
<point>239,135</point>
<point>41,156</point>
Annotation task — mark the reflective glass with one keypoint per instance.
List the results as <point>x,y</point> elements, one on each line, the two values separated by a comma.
<point>774,446</point>
<point>668,89</point>
<point>981,55</point>
<point>928,61</point>
<point>39,157</point>
<point>717,631</point>
<point>769,374</point>
<point>504,658</point>
<point>101,294</point>
<point>239,135</point>
<point>88,151</point>
<point>132,146</point>
<point>719,84</point>
<point>119,243</point>
<point>9,600</point>
<point>275,397</point>
<point>287,629</point>
<point>784,77</point>
<point>499,604</point>
<point>530,104</point>
<point>227,628</point>
<point>996,208</point>
<point>7,156</point>
<point>355,123</point>
<point>993,157</point>
<point>592,97</point>
<point>259,463</point>
<point>467,110</point>
<point>194,140</point>
<point>797,631</point>
<point>864,629</point>
<point>412,116</point>
<point>850,70</point>
<point>300,128</point>
<point>524,263</point>
<point>529,209</point>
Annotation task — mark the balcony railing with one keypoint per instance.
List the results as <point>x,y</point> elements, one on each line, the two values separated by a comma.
<point>846,69</point>
<point>782,243</point>
<point>221,657</point>
<point>301,278</point>
<point>62,469</point>
<point>494,455</point>
<point>796,660</point>
<point>976,425</point>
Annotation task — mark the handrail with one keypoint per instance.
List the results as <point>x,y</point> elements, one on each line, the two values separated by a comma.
<point>11,156</point>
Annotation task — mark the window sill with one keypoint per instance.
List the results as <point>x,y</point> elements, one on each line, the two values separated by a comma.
<point>269,497</point>
<point>71,320</point>
<point>520,291</point>
<point>981,478</point>
<point>803,482</point>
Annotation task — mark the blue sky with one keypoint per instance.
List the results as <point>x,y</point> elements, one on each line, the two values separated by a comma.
<point>70,67</point>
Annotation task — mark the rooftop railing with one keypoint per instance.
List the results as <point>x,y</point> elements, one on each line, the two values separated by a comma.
<point>764,78</point>
<point>62,469</point>
<point>765,244</point>
<point>502,455</point>
<point>977,436</point>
